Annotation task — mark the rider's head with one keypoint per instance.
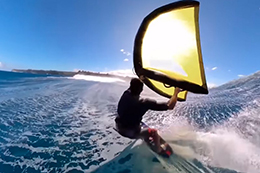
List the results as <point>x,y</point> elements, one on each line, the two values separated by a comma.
<point>136,86</point>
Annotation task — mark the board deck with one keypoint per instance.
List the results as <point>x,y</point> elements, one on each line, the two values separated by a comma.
<point>166,149</point>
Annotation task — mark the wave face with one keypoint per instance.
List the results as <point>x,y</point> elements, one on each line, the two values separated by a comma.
<point>55,124</point>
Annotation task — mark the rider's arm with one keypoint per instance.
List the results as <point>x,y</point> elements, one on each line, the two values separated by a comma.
<point>153,105</point>
<point>172,102</point>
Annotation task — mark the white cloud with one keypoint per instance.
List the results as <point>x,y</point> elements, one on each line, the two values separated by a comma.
<point>214,68</point>
<point>126,59</point>
<point>3,66</point>
<point>240,75</point>
<point>125,52</point>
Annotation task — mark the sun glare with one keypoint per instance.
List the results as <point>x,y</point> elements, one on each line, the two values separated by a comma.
<point>167,40</point>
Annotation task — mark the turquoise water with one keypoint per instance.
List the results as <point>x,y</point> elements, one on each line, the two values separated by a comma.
<point>58,124</point>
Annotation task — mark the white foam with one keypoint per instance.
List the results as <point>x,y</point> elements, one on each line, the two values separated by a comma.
<point>223,146</point>
<point>97,78</point>
<point>122,72</point>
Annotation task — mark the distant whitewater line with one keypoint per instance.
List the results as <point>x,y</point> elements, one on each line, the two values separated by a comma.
<point>97,78</point>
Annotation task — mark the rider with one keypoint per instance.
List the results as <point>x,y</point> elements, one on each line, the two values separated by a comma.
<point>131,109</point>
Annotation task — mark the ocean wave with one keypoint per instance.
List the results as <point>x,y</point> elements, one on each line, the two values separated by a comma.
<point>97,78</point>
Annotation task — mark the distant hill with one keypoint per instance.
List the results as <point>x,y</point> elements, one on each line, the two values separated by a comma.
<point>45,72</point>
<point>69,74</point>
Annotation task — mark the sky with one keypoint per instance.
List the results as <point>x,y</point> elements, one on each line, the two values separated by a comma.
<point>98,35</point>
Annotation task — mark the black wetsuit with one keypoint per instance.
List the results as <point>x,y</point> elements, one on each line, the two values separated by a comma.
<point>131,110</point>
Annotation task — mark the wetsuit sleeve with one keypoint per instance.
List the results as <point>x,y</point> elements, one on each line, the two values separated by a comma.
<point>153,105</point>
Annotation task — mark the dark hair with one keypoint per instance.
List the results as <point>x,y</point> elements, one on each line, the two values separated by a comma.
<point>136,86</point>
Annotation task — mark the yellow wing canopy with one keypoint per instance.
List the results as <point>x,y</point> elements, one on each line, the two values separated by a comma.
<point>167,50</point>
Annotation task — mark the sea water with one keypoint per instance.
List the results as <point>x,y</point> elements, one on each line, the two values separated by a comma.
<point>59,124</point>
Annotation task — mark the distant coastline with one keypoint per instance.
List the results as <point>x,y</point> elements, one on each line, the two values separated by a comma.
<point>68,73</point>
